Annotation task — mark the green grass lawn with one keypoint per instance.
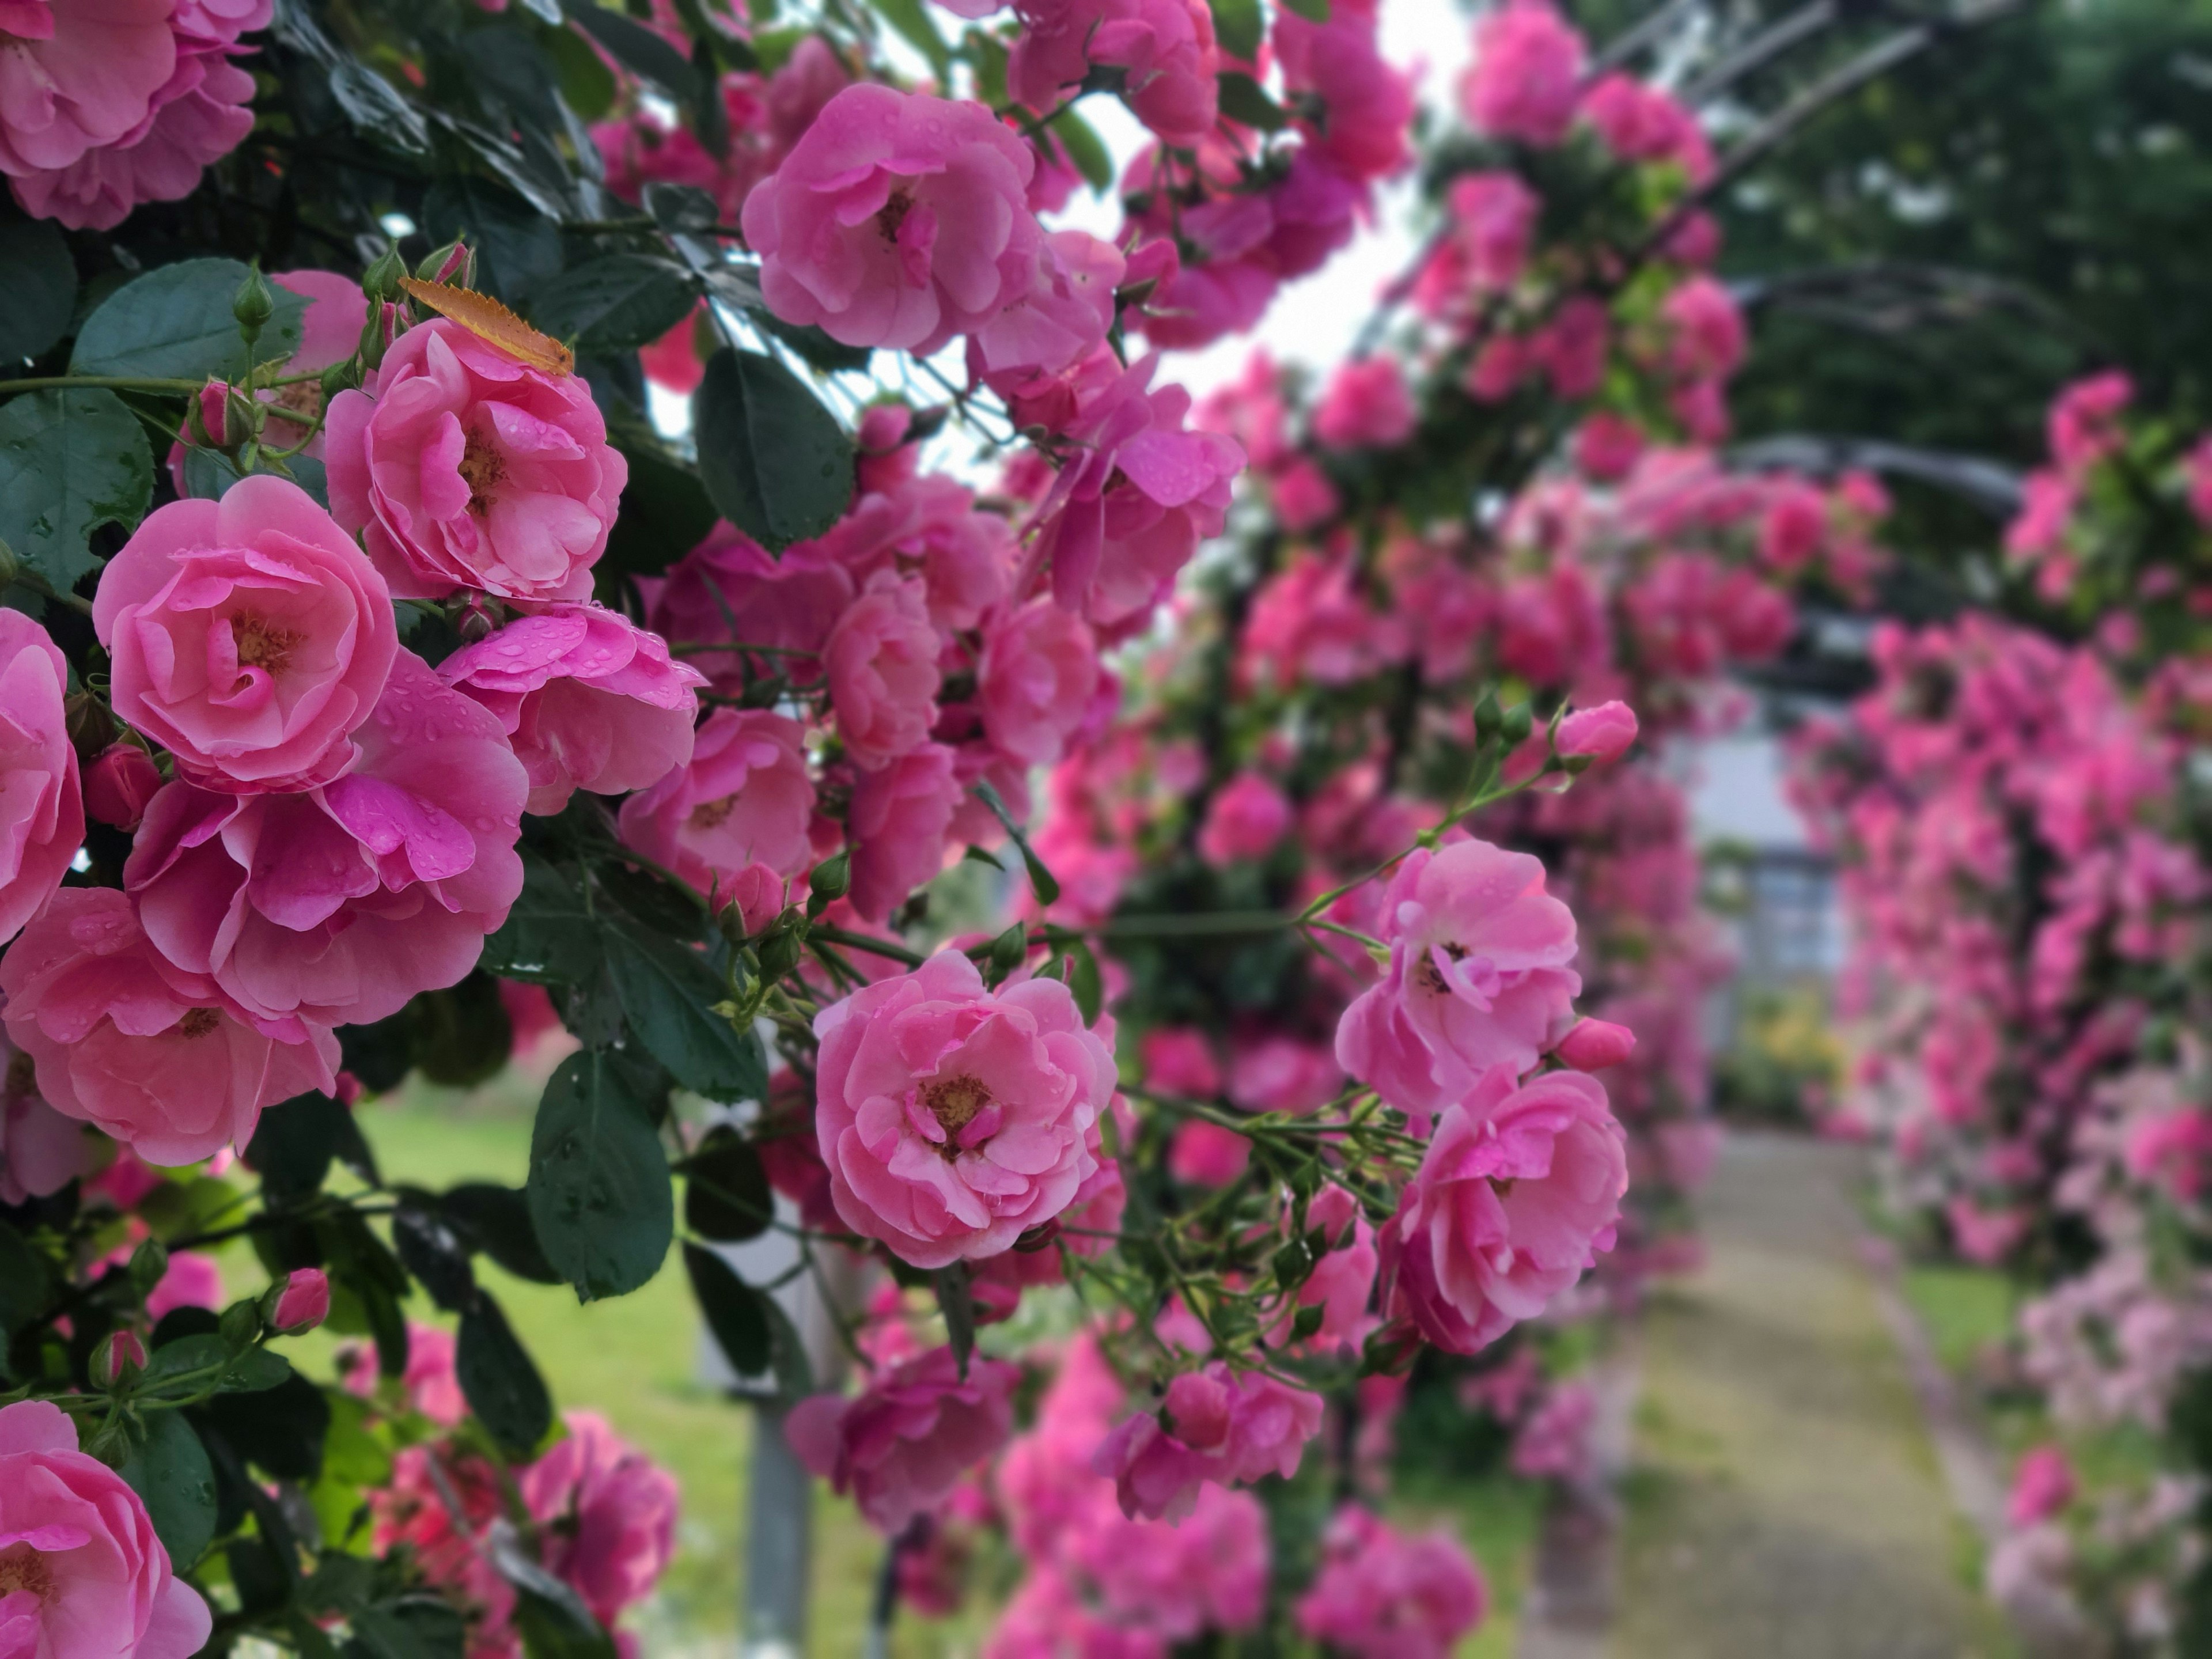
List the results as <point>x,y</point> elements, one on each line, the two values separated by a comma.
<point>635,1359</point>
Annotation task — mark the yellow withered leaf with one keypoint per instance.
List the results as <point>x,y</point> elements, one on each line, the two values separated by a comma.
<point>488,320</point>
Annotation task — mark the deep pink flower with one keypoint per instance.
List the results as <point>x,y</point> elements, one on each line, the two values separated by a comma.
<point>1048,1618</point>
<point>1603,733</point>
<point>1607,446</point>
<point>41,1151</point>
<point>1203,1154</point>
<point>430,1381</point>
<point>158,1058</point>
<point>881,660</point>
<point>1527,74</point>
<point>1342,1282</point>
<point>589,699</point>
<point>900,817</point>
<point>729,581</point>
<point>743,799</point>
<point>1247,817</point>
<point>1366,104</point>
<point>1495,214</point>
<point>1478,977</point>
<point>338,904</point>
<point>1594,1044</point>
<point>2043,1484</point>
<point>955,1119</point>
<point>85,1576</point>
<point>898,220</point>
<point>1382,1594</point>
<point>41,799</point>
<point>305,1304</point>
<point>1282,1073</point>
<point>1519,1190</point>
<point>249,636</point>
<point>926,526</point>
<point>191,1280</point>
<point>901,1445</point>
<point>1178,1061</point>
<point>607,1514</point>
<point>78,76</point>
<point>1166,47</point>
<point>1709,334</point>
<point>1640,123</point>
<point>1040,667</point>
<point>1366,406</point>
<point>464,469</point>
<point>330,332</point>
<point>1214,1425</point>
<point>118,785</point>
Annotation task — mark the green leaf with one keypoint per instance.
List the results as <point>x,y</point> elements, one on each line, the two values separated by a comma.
<point>735,1312</point>
<point>552,1618</point>
<point>1085,980</point>
<point>1237,26</point>
<point>294,1142</point>
<point>1086,151</point>
<point>175,324</point>
<point>39,279</point>
<point>683,209</point>
<point>70,462</point>
<point>668,995</point>
<point>911,18</point>
<point>185,1367</point>
<point>1047,886</point>
<point>461,1036</point>
<point>549,936</point>
<point>664,513</point>
<point>587,85</point>
<point>726,1196</point>
<point>1314,11</point>
<point>24,1276</point>
<point>1244,100</point>
<point>496,1221</point>
<point>814,344</point>
<point>637,49</point>
<point>956,1300</point>
<point>281,1429</point>
<point>772,459</point>
<point>615,304</point>
<point>414,1627</point>
<point>600,1199</point>
<point>171,1472</point>
<point>499,1380</point>
<point>517,247</point>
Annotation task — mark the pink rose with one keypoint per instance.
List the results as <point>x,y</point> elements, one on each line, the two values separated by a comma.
<point>899,819</point>
<point>1496,213</point>
<point>1040,666</point>
<point>158,1058</point>
<point>901,1445</point>
<point>41,800</point>
<point>2042,1485</point>
<point>898,220</point>
<point>926,525</point>
<point>1244,820</point>
<point>1709,336</point>
<point>79,75</point>
<point>730,582</point>
<point>1382,1594</point>
<point>1342,1282</point>
<point>743,799</point>
<point>955,1119</point>
<point>432,1385</point>
<point>607,1514</point>
<point>1607,446</point>
<point>41,1151</point>
<point>1603,733</point>
<point>589,699</point>
<point>462,469</point>
<point>1178,1059</point>
<point>118,785</point>
<point>249,636</point>
<point>1519,1188</point>
<point>1281,1074</point>
<point>1202,1154</point>
<point>881,660</point>
<point>304,1304</point>
<point>85,1577</point>
<point>1478,977</point>
<point>1215,1425</point>
<point>191,1280</point>
<point>1527,74</point>
<point>1594,1044</point>
<point>338,904</point>
<point>1365,405</point>
<point>1166,46</point>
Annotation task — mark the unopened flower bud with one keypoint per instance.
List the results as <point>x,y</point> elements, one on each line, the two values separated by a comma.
<point>119,1357</point>
<point>1488,717</point>
<point>450,263</point>
<point>780,946</point>
<point>241,1325</point>
<point>149,1263</point>
<point>210,418</point>
<point>91,727</point>
<point>301,1303</point>
<point>476,620</point>
<point>1516,723</point>
<point>1009,950</point>
<point>380,281</point>
<point>254,305</point>
<point>1594,1044</point>
<point>118,785</point>
<point>829,879</point>
<point>1603,733</point>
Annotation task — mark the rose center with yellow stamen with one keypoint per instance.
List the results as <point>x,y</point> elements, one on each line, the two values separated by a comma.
<point>22,1568</point>
<point>483,469</point>
<point>262,645</point>
<point>199,1022</point>
<point>711,814</point>
<point>955,1103</point>
<point>302,397</point>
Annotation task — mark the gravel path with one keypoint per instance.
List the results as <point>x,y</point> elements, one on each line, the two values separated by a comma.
<point>1784,1502</point>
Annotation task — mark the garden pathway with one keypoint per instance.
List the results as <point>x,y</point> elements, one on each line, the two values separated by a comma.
<point>1784,1502</point>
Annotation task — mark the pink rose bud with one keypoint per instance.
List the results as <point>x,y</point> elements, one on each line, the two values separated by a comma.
<point>348,1089</point>
<point>305,1304</point>
<point>211,416</point>
<point>118,785</point>
<point>119,1357</point>
<point>1594,1044</point>
<point>1603,733</point>
<point>883,428</point>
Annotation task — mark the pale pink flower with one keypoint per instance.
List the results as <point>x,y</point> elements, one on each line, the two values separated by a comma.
<point>1047,1618</point>
<point>41,1151</point>
<point>249,636</point>
<point>1214,1425</point>
<point>1382,1594</point>
<point>86,1577</point>
<point>881,660</point>
<point>41,798</point>
<point>158,1058</point>
<point>1478,977</point>
<point>926,526</point>
<point>1603,733</point>
<point>1365,405</point>
<point>77,76</point>
<point>1040,667</point>
<point>1554,1443</point>
<point>742,799</point>
<point>607,1515</point>
<point>1247,817</point>
<point>899,220</point>
<point>589,699</point>
<point>901,1444</point>
<point>1527,74</point>
<point>1278,1073</point>
<point>463,469</point>
<point>955,1119</point>
<point>1518,1191</point>
<point>1066,310</point>
<point>338,904</point>
<point>900,817</point>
